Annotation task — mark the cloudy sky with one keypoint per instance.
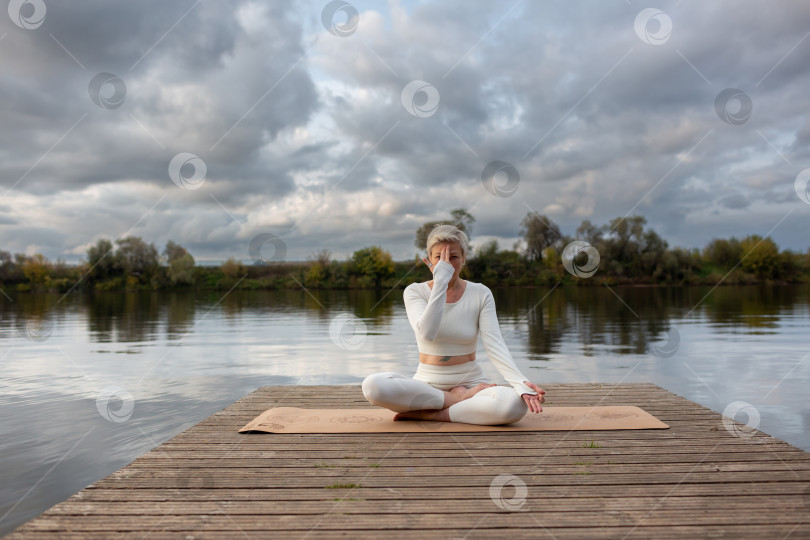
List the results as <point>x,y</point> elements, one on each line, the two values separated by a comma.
<point>343,125</point>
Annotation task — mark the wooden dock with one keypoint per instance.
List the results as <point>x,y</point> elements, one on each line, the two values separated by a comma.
<point>694,480</point>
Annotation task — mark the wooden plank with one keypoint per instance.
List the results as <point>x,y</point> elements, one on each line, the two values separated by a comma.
<point>334,440</point>
<point>655,492</point>
<point>478,529</point>
<point>360,505</point>
<point>443,458</point>
<point>219,478</point>
<point>341,517</point>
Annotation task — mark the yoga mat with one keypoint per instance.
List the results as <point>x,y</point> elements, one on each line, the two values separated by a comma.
<point>379,420</point>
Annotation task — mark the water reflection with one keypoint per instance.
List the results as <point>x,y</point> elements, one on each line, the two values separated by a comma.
<point>123,316</point>
<point>180,311</point>
<point>628,320</point>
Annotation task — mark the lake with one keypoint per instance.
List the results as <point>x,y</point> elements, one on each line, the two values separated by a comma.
<point>90,382</point>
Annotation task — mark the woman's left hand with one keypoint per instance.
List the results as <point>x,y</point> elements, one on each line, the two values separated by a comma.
<point>534,401</point>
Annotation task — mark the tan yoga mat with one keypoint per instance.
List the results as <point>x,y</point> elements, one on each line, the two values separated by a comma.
<point>379,420</point>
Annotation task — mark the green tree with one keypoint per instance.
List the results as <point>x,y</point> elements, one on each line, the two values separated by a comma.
<point>181,269</point>
<point>36,270</point>
<point>102,260</point>
<point>627,236</point>
<point>539,232</point>
<point>316,274</point>
<point>180,263</point>
<point>485,262</point>
<point>458,217</point>
<point>589,232</point>
<point>174,251</point>
<point>760,256</point>
<point>680,265</point>
<point>487,252</point>
<point>320,268</point>
<point>137,258</point>
<point>232,268</point>
<point>463,220</point>
<point>7,267</point>
<point>622,244</point>
<point>324,257</point>
<point>723,253</point>
<point>652,253</point>
<point>373,262</point>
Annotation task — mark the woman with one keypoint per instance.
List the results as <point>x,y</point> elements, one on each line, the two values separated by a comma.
<point>446,315</point>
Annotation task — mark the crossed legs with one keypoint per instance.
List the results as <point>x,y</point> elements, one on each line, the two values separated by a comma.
<point>484,404</point>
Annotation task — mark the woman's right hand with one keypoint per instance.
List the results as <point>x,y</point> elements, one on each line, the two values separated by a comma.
<point>444,256</point>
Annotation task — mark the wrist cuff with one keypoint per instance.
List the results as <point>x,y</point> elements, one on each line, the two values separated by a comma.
<point>521,389</point>
<point>443,270</point>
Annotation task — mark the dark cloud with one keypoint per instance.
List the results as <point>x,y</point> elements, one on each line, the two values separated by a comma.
<point>735,201</point>
<point>199,78</point>
<point>305,132</point>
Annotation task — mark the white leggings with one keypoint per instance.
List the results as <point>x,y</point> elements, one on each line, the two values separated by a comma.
<point>489,407</point>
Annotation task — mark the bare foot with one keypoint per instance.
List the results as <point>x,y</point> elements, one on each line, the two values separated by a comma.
<point>459,392</point>
<point>467,393</point>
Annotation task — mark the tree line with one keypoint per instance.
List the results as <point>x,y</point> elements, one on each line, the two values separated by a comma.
<point>629,252</point>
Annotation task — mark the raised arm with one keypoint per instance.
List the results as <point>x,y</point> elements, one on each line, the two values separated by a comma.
<point>496,348</point>
<point>425,317</point>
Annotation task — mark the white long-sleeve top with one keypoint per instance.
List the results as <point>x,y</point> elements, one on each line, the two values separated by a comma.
<point>444,329</point>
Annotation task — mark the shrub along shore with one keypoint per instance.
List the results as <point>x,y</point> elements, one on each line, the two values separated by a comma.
<point>373,268</point>
<point>626,253</point>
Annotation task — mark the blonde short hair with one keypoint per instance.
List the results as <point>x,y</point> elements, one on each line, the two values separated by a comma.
<point>447,233</point>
